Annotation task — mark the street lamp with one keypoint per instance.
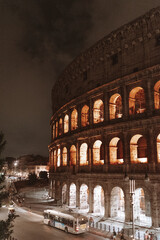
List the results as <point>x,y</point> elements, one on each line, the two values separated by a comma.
<point>132,192</point>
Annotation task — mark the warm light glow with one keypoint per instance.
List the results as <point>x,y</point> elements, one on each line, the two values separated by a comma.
<point>137,101</point>
<point>66,123</point>
<point>64,156</point>
<point>158,148</point>
<point>73,155</point>
<point>115,151</point>
<point>85,116</point>
<point>97,153</point>
<point>98,111</point>
<point>74,119</point>
<point>60,126</point>
<point>157,95</point>
<point>58,157</point>
<point>83,154</point>
<point>115,106</point>
<point>137,149</point>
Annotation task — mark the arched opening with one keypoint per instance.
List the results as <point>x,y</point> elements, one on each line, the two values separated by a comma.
<point>66,123</point>
<point>72,195</point>
<point>158,148</point>
<point>74,119</point>
<point>98,153</point>
<point>64,194</point>
<point>137,103</point>
<point>157,95</point>
<point>98,194</point>
<point>73,155</point>
<point>83,154</point>
<point>98,111</point>
<point>142,208</point>
<point>53,131</point>
<point>64,156</point>
<point>58,157</point>
<point>117,203</point>
<point>56,129</point>
<point>60,126</point>
<point>115,106</point>
<point>85,116</point>
<point>84,193</point>
<point>138,149</point>
<point>116,151</point>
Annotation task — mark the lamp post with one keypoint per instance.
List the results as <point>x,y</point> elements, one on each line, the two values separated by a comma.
<point>132,192</point>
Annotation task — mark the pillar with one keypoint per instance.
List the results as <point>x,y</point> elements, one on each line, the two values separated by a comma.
<point>106,107</point>
<point>125,102</point>
<point>126,151</point>
<point>77,195</point>
<point>106,205</point>
<point>128,212</point>
<point>151,150</point>
<point>91,200</point>
<point>155,210</point>
<point>91,112</point>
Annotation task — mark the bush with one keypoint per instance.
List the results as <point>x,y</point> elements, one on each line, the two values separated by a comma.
<point>43,174</point>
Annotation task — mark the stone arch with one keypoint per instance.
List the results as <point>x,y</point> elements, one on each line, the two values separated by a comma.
<point>158,148</point>
<point>66,123</point>
<point>98,197</point>
<point>73,154</point>
<point>53,131</point>
<point>56,129</point>
<point>157,95</point>
<point>85,116</point>
<point>64,156</point>
<point>117,203</point>
<point>58,157</point>
<point>83,154</point>
<point>142,207</point>
<point>98,153</point>
<point>60,127</point>
<point>72,195</point>
<point>116,151</point>
<point>84,197</point>
<point>64,193</point>
<point>98,111</point>
<point>115,106</point>
<point>137,103</point>
<point>138,149</point>
<point>74,119</point>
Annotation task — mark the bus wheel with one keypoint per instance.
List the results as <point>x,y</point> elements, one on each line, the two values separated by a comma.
<point>66,229</point>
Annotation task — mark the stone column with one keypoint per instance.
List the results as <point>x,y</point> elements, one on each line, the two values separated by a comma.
<point>125,102</point>
<point>69,114</point>
<point>106,107</point>
<point>68,193</point>
<point>126,151</point>
<point>107,204</point>
<point>149,97</point>
<point>106,154</point>
<point>151,150</point>
<point>91,200</point>
<point>77,156</point>
<point>77,195</point>
<point>79,116</point>
<point>90,156</point>
<point>91,112</point>
<point>127,201</point>
<point>58,192</point>
<point>155,210</point>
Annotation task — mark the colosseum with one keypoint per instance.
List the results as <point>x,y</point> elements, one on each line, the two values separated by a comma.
<point>105,127</point>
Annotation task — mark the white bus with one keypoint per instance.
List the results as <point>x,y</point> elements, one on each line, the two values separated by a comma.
<point>69,222</point>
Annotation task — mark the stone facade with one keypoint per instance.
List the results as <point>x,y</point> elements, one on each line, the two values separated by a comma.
<point>118,134</point>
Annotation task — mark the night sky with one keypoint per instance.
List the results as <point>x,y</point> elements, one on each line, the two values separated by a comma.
<point>38,39</point>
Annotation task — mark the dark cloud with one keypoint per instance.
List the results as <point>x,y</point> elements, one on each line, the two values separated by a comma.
<point>38,38</point>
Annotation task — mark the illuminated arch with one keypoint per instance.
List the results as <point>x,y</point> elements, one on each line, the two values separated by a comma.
<point>117,203</point>
<point>74,119</point>
<point>137,102</point>
<point>73,155</point>
<point>60,126</point>
<point>72,195</point>
<point>142,209</point>
<point>53,131</point>
<point>64,156</point>
<point>158,148</point>
<point>58,157</point>
<point>66,123</point>
<point>85,116</point>
<point>115,106</point>
<point>83,154</point>
<point>138,149</point>
<point>84,197</point>
<point>56,128</point>
<point>157,95</point>
<point>98,111</point>
<point>116,151</point>
<point>98,153</point>
<point>98,196</point>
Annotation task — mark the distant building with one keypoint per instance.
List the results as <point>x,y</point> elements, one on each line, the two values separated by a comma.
<point>106,125</point>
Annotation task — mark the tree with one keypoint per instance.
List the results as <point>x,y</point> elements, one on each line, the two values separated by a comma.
<point>32,178</point>
<point>43,174</point>
<point>6,226</point>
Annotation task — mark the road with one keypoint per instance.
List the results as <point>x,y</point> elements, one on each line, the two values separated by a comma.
<point>29,226</point>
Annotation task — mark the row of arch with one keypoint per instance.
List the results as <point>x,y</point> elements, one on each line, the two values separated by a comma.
<point>137,105</point>
<point>142,210</point>
<point>138,152</point>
